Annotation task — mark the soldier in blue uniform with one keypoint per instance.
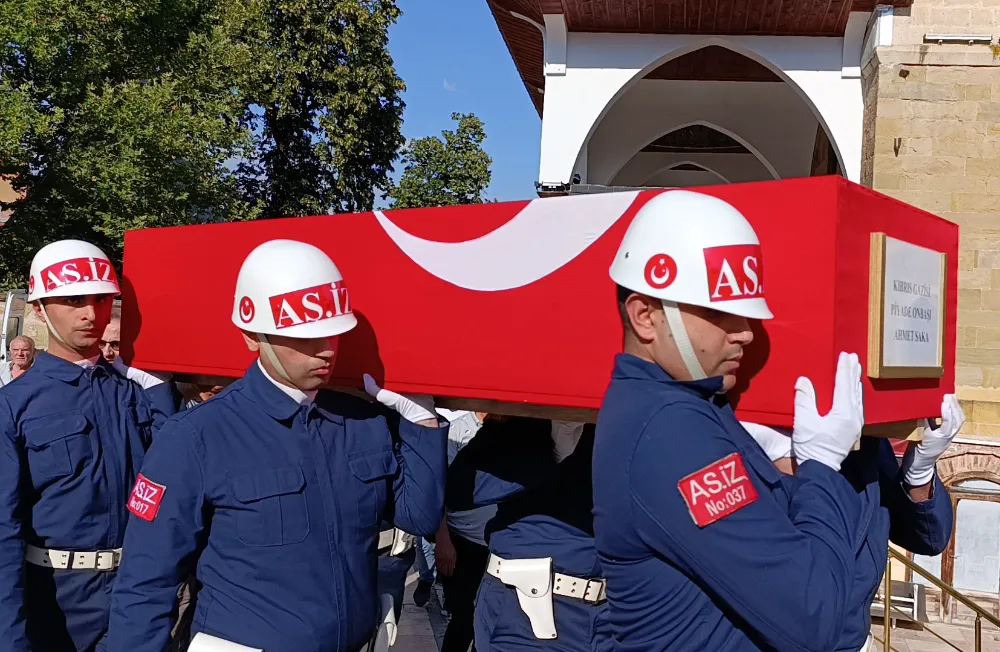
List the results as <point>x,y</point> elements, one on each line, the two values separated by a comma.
<point>906,504</point>
<point>543,588</point>
<point>274,491</point>
<point>702,544</point>
<point>73,434</point>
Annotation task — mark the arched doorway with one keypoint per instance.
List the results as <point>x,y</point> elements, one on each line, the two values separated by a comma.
<point>729,93</point>
<point>703,145</point>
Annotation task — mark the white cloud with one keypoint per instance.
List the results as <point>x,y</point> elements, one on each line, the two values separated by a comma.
<point>448,86</point>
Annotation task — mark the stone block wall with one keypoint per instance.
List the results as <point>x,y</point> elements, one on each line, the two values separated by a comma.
<point>932,139</point>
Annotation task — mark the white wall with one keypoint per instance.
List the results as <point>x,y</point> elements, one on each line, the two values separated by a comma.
<point>645,167</point>
<point>768,117</point>
<point>601,67</point>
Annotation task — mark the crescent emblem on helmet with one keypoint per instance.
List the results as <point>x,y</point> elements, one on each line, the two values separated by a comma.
<point>661,270</point>
<point>246,310</point>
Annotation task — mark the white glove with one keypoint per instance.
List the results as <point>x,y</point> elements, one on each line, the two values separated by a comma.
<point>776,442</point>
<point>412,408</point>
<point>921,460</point>
<point>144,379</point>
<point>565,437</point>
<point>829,439</point>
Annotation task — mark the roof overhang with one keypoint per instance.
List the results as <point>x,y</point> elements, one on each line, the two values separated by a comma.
<point>515,19</point>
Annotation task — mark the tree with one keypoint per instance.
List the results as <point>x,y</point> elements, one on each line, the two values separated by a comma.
<point>448,172</point>
<point>125,114</point>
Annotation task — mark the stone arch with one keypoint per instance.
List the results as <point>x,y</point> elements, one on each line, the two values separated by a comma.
<point>739,46</point>
<point>979,463</point>
<point>701,167</point>
<point>763,160</point>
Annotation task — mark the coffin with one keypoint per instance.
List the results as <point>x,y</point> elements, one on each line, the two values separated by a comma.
<point>509,307</point>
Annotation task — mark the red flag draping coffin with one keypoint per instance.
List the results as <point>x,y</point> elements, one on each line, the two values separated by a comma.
<point>512,302</point>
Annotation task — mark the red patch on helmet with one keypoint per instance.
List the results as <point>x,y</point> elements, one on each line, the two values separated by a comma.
<point>31,284</point>
<point>311,304</point>
<point>735,272</point>
<point>247,310</point>
<point>661,271</point>
<point>78,270</point>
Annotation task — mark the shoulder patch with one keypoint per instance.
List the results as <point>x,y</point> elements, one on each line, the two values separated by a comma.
<point>720,489</point>
<point>145,499</point>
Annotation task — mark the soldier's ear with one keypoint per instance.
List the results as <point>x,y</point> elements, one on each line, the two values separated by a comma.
<point>251,341</point>
<point>641,311</point>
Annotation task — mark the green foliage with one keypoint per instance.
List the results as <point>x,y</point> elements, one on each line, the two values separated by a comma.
<point>448,172</point>
<point>126,114</point>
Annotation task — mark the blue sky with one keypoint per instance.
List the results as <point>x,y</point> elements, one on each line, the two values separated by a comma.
<point>452,58</point>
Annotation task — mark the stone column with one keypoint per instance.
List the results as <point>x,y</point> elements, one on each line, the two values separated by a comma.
<point>932,139</point>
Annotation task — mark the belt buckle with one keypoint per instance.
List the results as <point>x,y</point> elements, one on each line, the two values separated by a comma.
<point>598,589</point>
<point>102,554</point>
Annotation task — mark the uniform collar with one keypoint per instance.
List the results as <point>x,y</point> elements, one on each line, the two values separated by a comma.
<point>59,369</point>
<point>299,396</point>
<point>277,403</point>
<point>629,367</point>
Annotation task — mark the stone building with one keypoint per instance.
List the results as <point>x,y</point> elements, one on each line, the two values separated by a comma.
<point>903,97</point>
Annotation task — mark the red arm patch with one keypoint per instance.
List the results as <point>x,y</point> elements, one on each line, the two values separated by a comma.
<point>718,490</point>
<point>145,499</point>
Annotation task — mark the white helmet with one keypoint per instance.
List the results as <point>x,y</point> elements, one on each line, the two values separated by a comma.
<point>291,289</point>
<point>71,268</point>
<point>686,247</point>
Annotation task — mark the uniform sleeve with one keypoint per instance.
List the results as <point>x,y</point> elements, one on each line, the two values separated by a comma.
<point>922,528</point>
<point>786,574</point>
<point>418,490</point>
<point>11,541</point>
<point>163,537</point>
<point>503,459</point>
<point>164,402</point>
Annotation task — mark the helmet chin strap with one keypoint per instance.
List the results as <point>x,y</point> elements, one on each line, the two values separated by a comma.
<point>265,347</point>
<point>51,326</point>
<point>677,329</point>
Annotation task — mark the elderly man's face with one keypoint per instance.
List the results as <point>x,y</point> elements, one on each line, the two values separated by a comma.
<point>21,353</point>
<point>111,341</point>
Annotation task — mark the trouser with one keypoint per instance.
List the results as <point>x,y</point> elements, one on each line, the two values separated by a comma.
<point>180,637</point>
<point>426,561</point>
<point>460,592</point>
<point>501,625</point>
<point>392,573</point>
<point>66,611</point>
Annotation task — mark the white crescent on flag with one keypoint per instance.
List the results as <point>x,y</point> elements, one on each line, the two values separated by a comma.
<point>544,236</point>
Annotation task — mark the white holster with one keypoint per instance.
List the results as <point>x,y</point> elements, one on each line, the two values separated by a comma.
<point>401,542</point>
<point>397,541</point>
<point>385,635</point>
<point>204,643</point>
<point>532,581</point>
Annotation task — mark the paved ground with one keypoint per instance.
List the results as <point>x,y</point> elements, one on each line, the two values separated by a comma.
<point>421,630</point>
<point>911,640</point>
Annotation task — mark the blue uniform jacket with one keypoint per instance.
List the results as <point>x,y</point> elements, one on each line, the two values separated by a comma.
<point>72,441</point>
<point>544,509</point>
<point>278,506</point>
<point>887,512</point>
<point>772,572</point>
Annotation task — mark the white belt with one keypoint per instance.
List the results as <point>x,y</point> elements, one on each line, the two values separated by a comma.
<point>590,591</point>
<point>99,560</point>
